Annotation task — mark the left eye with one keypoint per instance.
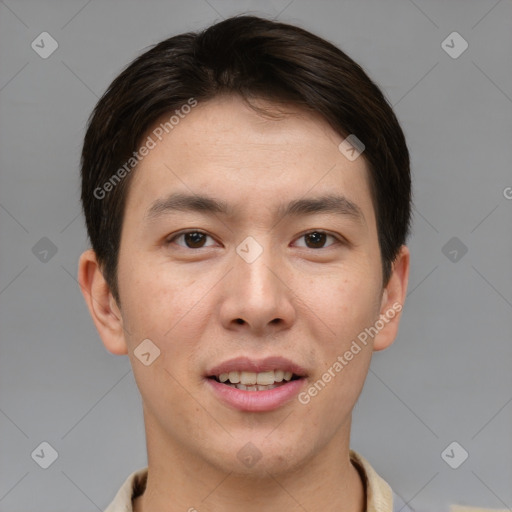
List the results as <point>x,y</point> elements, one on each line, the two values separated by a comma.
<point>316,239</point>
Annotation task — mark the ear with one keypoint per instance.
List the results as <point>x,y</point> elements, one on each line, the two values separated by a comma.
<point>393,298</point>
<point>102,305</point>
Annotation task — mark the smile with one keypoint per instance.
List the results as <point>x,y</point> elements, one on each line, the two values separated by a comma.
<point>256,386</point>
<point>252,381</point>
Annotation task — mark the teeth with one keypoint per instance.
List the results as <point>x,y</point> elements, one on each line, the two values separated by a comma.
<point>247,378</point>
<point>251,380</point>
<point>234,377</point>
<point>257,387</point>
<point>265,378</point>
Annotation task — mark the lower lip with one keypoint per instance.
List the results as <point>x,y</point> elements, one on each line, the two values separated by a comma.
<point>256,401</point>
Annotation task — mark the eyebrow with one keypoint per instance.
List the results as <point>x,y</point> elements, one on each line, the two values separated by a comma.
<point>330,203</point>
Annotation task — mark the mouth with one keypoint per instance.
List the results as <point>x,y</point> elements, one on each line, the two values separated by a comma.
<point>252,381</point>
<point>256,385</point>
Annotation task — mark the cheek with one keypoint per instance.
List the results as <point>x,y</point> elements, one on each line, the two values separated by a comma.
<point>350,306</point>
<point>155,299</point>
<point>170,309</point>
<point>342,305</point>
<point>165,312</point>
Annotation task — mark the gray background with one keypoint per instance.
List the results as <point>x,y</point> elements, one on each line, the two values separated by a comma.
<point>447,377</point>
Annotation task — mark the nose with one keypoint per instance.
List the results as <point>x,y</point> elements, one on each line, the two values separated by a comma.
<point>257,298</point>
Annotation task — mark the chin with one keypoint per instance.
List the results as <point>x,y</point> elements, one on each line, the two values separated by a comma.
<point>258,457</point>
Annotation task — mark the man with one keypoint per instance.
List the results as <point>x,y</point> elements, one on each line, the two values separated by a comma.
<point>247,196</point>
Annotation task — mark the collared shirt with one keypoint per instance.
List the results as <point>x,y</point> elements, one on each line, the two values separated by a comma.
<point>379,496</point>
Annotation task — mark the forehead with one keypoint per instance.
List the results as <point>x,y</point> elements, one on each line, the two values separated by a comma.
<point>224,147</point>
<point>229,119</point>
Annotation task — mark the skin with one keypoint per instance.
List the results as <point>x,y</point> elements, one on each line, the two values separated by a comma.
<point>202,306</point>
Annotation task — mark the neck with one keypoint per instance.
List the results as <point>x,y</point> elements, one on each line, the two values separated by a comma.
<point>181,481</point>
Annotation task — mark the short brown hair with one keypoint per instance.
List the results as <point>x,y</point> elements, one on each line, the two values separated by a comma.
<point>254,58</point>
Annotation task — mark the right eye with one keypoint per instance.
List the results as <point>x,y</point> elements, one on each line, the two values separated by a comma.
<point>191,239</point>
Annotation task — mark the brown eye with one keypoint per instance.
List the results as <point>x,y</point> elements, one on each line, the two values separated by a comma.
<point>194,240</point>
<point>191,239</point>
<point>316,239</point>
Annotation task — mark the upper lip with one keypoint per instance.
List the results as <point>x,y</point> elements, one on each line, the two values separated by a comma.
<point>248,364</point>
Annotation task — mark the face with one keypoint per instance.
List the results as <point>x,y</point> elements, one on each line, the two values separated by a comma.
<point>249,244</point>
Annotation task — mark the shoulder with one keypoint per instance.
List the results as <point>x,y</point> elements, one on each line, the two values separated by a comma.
<point>379,495</point>
<point>132,487</point>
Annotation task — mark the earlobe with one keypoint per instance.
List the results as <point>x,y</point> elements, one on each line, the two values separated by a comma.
<point>393,298</point>
<point>102,306</point>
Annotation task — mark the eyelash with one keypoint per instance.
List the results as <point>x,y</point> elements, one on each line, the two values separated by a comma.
<point>320,231</point>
